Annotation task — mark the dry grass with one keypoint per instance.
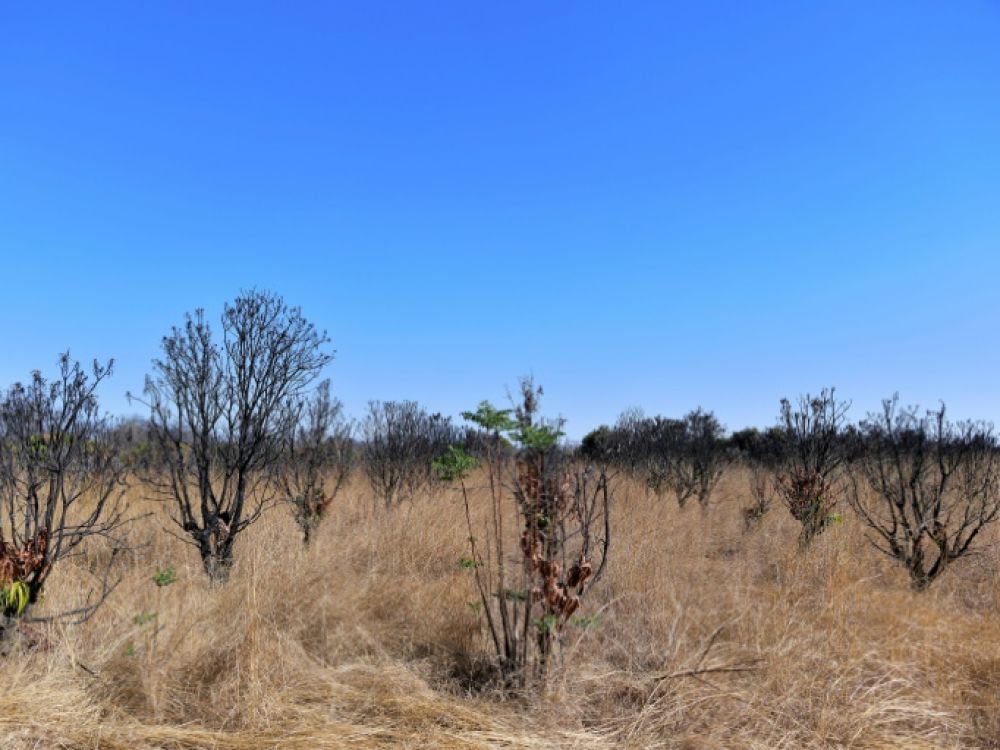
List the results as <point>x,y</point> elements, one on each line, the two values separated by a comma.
<point>366,639</point>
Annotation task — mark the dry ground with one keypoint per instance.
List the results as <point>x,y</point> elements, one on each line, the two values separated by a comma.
<point>367,640</point>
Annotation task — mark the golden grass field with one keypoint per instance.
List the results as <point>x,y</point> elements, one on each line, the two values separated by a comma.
<point>366,639</point>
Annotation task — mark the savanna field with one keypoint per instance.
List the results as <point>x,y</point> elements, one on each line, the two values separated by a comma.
<point>269,479</point>
<point>700,634</point>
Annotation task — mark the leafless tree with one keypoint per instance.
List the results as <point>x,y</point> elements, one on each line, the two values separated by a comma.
<point>627,442</point>
<point>760,453</point>
<point>219,416</point>
<point>61,486</point>
<point>645,447</point>
<point>698,458</point>
<point>761,487</point>
<point>815,451</point>
<point>683,456</point>
<point>318,457</point>
<point>401,441</point>
<point>659,440</point>
<point>925,487</point>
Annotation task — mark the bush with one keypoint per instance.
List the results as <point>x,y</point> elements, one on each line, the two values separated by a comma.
<point>683,456</point>
<point>814,452</point>
<point>318,457</point>
<point>925,487</point>
<point>699,458</point>
<point>563,511</point>
<point>761,453</point>
<point>61,484</point>
<point>401,441</point>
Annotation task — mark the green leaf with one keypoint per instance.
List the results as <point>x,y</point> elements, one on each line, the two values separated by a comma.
<point>144,617</point>
<point>537,438</point>
<point>165,577</point>
<point>15,597</point>
<point>455,464</point>
<point>586,622</point>
<point>547,624</point>
<point>37,447</point>
<point>490,418</point>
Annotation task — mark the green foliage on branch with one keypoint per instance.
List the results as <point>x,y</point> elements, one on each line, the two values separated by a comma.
<point>454,465</point>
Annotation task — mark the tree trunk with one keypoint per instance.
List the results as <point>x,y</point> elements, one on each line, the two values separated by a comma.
<point>217,561</point>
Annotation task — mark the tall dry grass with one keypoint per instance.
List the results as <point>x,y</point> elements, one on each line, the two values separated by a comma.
<point>704,637</point>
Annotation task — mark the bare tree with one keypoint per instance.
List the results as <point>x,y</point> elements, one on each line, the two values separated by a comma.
<point>647,447</point>
<point>760,453</point>
<point>698,458</point>
<point>925,487</point>
<point>815,452</point>
<point>401,441</point>
<point>684,456</point>
<point>626,443</point>
<point>318,457</point>
<point>659,440</point>
<point>61,484</point>
<point>219,416</point>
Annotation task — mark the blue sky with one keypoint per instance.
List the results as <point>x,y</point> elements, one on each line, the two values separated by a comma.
<point>655,204</point>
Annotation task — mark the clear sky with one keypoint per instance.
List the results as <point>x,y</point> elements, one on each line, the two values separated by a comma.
<point>655,204</point>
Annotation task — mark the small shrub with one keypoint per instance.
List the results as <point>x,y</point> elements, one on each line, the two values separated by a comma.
<point>563,512</point>
<point>61,486</point>
<point>165,577</point>
<point>698,459</point>
<point>401,441</point>
<point>814,452</point>
<point>318,458</point>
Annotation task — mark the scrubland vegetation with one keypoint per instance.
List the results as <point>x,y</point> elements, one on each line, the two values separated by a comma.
<point>250,569</point>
